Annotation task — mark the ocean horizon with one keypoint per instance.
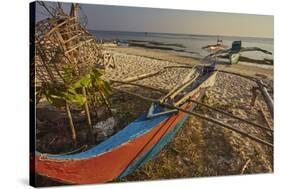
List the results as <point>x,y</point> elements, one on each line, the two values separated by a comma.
<point>186,44</point>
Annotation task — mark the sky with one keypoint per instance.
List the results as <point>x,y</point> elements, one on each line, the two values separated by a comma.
<point>119,18</point>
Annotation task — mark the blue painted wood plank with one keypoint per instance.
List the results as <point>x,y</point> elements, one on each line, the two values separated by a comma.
<point>134,130</point>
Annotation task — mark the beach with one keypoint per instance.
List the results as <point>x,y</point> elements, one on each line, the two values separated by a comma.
<point>200,147</point>
<point>250,70</point>
<point>143,99</point>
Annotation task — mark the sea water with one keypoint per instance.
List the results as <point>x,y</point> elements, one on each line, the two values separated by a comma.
<point>186,44</point>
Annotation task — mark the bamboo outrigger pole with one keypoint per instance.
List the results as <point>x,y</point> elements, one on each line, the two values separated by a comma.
<point>230,115</point>
<point>266,96</point>
<point>221,124</point>
<point>140,85</point>
<point>227,126</point>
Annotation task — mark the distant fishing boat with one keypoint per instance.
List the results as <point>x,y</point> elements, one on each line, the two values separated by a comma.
<point>122,43</point>
<point>137,143</point>
<point>233,53</point>
<point>215,47</point>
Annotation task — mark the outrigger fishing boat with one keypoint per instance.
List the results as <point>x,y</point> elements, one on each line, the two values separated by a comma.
<point>137,143</point>
<point>233,53</point>
<point>142,139</point>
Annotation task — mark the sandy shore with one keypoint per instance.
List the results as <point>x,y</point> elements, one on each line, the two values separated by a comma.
<point>222,151</point>
<point>251,70</point>
<point>200,148</point>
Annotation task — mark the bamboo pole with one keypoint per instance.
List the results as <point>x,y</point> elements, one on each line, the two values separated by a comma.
<point>71,125</point>
<point>180,66</point>
<point>207,83</point>
<point>230,115</point>
<point>181,88</point>
<point>222,71</point>
<point>86,107</point>
<point>222,125</point>
<point>266,97</point>
<point>185,83</point>
<point>255,96</point>
<point>140,85</point>
<point>142,76</point>
<point>74,11</point>
<point>264,116</point>
<point>245,166</point>
<point>238,74</point>
<point>256,139</point>
<point>77,46</point>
